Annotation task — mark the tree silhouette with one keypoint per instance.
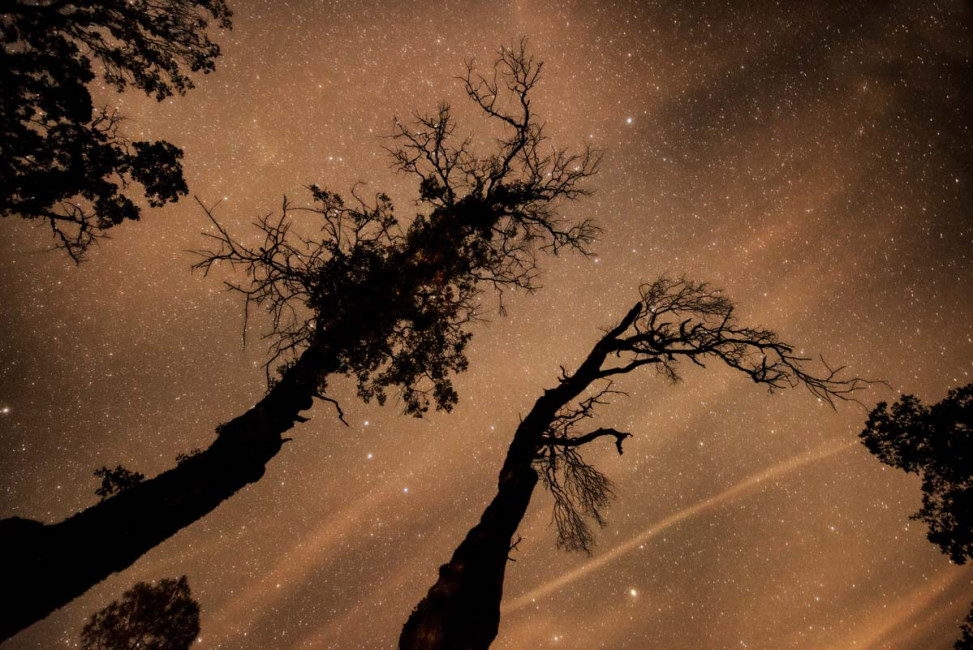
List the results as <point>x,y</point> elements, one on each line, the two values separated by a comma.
<point>965,642</point>
<point>935,443</point>
<point>385,304</point>
<point>675,321</point>
<point>115,480</point>
<point>64,161</point>
<point>148,617</point>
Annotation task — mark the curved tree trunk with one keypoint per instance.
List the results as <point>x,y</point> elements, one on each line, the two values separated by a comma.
<point>46,566</point>
<point>675,319</point>
<point>461,611</point>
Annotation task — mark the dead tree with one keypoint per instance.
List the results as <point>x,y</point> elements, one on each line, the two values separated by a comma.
<point>361,296</point>
<point>674,321</point>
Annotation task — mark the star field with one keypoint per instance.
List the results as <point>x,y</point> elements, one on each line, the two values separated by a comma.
<point>813,160</point>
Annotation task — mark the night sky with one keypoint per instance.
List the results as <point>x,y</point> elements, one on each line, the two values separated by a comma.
<point>814,160</point>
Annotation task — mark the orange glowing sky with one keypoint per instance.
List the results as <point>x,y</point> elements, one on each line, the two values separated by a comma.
<point>812,159</point>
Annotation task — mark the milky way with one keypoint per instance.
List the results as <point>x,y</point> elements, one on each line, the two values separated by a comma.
<point>813,160</point>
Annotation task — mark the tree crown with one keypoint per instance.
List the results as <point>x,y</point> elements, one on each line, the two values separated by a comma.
<point>150,617</point>
<point>62,160</point>
<point>397,299</point>
<point>675,320</point>
<point>935,443</point>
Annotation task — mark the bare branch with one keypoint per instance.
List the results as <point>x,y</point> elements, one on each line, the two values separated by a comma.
<point>513,547</point>
<point>512,193</point>
<point>680,319</point>
<point>675,319</point>
<point>337,407</point>
<point>589,437</point>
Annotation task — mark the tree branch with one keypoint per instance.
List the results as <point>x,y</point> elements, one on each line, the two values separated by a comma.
<point>589,437</point>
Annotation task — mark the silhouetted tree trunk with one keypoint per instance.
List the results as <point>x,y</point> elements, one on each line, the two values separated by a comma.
<point>462,610</point>
<point>674,319</point>
<point>366,298</point>
<point>46,566</point>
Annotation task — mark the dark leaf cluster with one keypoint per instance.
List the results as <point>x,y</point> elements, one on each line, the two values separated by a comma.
<point>965,642</point>
<point>116,480</point>
<point>62,160</point>
<point>936,443</point>
<point>148,617</point>
<point>184,456</point>
<point>393,301</point>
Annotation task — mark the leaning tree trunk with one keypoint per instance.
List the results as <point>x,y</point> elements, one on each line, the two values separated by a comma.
<point>675,319</point>
<point>461,611</point>
<point>46,566</point>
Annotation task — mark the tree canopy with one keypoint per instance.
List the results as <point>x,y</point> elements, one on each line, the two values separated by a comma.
<point>65,161</point>
<point>935,443</point>
<point>148,617</point>
<point>409,291</point>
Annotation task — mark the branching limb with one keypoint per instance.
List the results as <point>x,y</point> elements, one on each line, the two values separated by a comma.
<point>337,407</point>
<point>513,547</point>
<point>675,319</point>
<point>580,492</point>
<point>681,319</point>
<point>393,303</point>
<point>589,437</point>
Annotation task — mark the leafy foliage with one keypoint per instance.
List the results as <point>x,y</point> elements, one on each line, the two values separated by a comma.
<point>184,456</point>
<point>935,443</point>
<point>965,642</point>
<point>116,480</point>
<point>61,159</point>
<point>148,617</point>
<point>393,300</point>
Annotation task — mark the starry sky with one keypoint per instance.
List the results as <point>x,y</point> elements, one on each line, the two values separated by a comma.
<point>812,159</point>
